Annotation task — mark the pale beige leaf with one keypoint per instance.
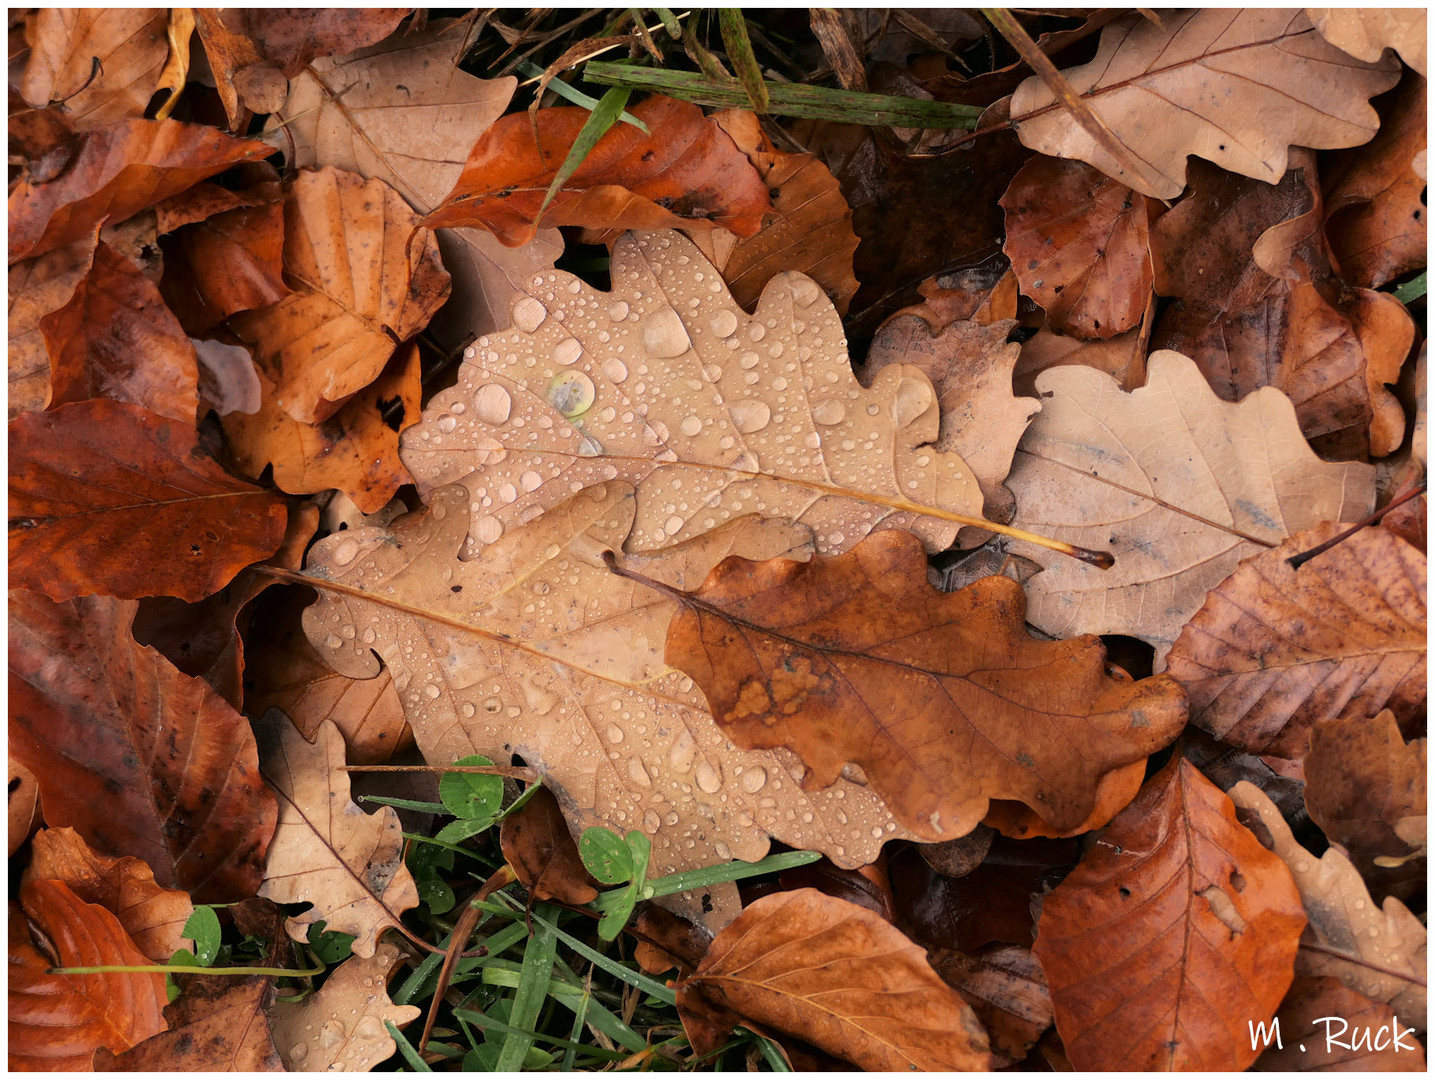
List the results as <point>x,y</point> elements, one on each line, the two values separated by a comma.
<point>341,1028</point>
<point>711,413</point>
<point>1365,33</point>
<point>1234,86</point>
<point>326,850</point>
<point>1387,945</point>
<point>536,649</point>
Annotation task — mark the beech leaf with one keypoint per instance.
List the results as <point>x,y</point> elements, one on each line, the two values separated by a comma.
<point>217,1024</point>
<point>537,844</point>
<point>97,64</point>
<point>1005,987</point>
<point>1170,934</point>
<point>1318,1005</point>
<point>224,264</point>
<point>38,287</point>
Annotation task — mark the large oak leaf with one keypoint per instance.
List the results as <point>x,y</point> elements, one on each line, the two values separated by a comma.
<point>1177,484</point>
<point>942,699</point>
<point>1173,932</point>
<point>1366,33</point>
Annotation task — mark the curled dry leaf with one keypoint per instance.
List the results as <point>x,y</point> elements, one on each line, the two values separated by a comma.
<point>1273,650</point>
<point>1365,33</point>
<point>341,1028</point>
<point>942,699</point>
<point>98,64</point>
<point>536,649</point>
<point>326,850</point>
<point>836,975</point>
<point>58,1021</point>
<point>152,915</point>
<point>1234,87</point>
<point>136,757</point>
<point>224,264</point>
<point>1381,950</point>
<point>1122,357</point>
<point>1005,987</point>
<point>217,1024</point>
<point>119,170</point>
<point>1170,934</point>
<point>364,288</point>
<point>667,384</point>
<point>686,173</point>
<point>38,287</point>
<point>133,502</point>
<point>1077,241</point>
<point>116,339</point>
<point>1177,484</point>
<point>537,844</point>
<point>1310,1013</point>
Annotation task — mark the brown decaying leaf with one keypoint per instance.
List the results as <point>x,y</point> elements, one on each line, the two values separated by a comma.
<point>1005,987</point>
<point>58,1021</point>
<point>1386,945</point>
<point>37,287</point>
<point>227,263</point>
<point>1077,241</point>
<point>341,1028</point>
<point>959,857</point>
<point>1273,651</point>
<point>326,850</point>
<point>809,228</point>
<point>1327,1027</point>
<point>290,38</point>
<point>1235,87</point>
<point>667,941</point>
<point>134,504</point>
<point>1170,934</point>
<point>983,294</point>
<point>1122,357</point>
<point>217,1024</point>
<point>99,64</point>
<point>118,170</point>
<point>1365,788</point>
<point>1365,33</point>
<point>208,199</point>
<point>364,289</point>
<point>1114,791</point>
<point>136,757</point>
<point>228,54</point>
<point>116,339</point>
<point>23,805</point>
<point>151,915</point>
<point>1172,481</point>
<point>666,381</point>
<point>686,173</point>
<point>836,975</point>
<point>537,844</point>
<point>942,699</point>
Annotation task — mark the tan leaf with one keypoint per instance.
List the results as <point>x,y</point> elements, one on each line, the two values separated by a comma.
<point>1327,1027</point>
<point>1005,987</point>
<point>536,649</point>
<point>674,384</point>
<point>1365,33</point>
<point>99,64</point>
<point>1170,934</point>
<point>217,1024</point>
<point>1378,951</point>
<point>1236,87</point>
<point>1122,357</point>
<point>364,288</point>
<point>326,850</point>
<point>836,975</point>
<point>38,287</point>
<point>341,1028</point>
<point>1273,650</point>
<point>1178,485</point>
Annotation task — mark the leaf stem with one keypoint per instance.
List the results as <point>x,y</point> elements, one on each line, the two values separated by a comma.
<point>183,969</point>
<point>1297,561</point>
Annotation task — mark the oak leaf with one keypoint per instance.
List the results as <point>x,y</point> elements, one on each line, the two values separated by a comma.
<point>1365,33</point>
<point>98,64</point>
<point>1235,87</point>
<point>217,1024</point>
<point>537,844</point>
<point>38,287</point>
<point>836,975</point>
<point>1178,485</point>
<point>364,289</point>
<point>133,502</point>
<point>326,850</point>
<point>1378,951</point>
<point>942,699</point>
<point>710,412</point>
<point>58,1021</point>
<point>138,758</point>
<point>1275,650</point>
<point>1169,935</point>
<point>1325,1001</point>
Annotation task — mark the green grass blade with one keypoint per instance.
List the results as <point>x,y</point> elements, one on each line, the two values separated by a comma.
<point>611,966</point>
<point>1412,290</point>
<point>771,1054</point>
<point>576,96</point>
<point>411,1055</point>
<point>488,1023</point>
<point>571,996</point>
<point>532,991</point>
<point>603,117</point>
<point>744,60</point>
<point>711,875</point>
<point>405,804</point>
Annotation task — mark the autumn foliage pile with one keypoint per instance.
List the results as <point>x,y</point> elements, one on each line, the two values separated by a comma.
<point>795,531</point>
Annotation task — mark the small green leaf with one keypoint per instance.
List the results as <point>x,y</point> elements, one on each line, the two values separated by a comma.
<point>202,928</point>
<point>616,917</point>
<point>640,849</point>
<point>603,116</point>
<point>471,795</point>
<point>436,895</point>
<point>606,856</point>
<point>330,946</point>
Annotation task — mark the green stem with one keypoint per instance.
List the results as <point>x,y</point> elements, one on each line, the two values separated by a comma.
<point>183,969</point>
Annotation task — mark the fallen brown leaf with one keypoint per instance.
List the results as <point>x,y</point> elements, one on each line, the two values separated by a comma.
<point>97,64</point>
<point>217,1024</point>
<point>38,287</point>
<point>1114,792</point>
<point>537,844</point>
<point>1366,33</point>
<point>1314,1043</point>
<point>1122,357</point>
<point>290,38</point>
<point>23,805</point>
<point>1005,987</point>
<point>1170,934</point>
<point>226,263</point>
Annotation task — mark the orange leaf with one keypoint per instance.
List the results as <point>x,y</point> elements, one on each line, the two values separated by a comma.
<point>99,64</point>
<point>1170,934</point>
<point>132,502</point>
<point>686,173</point>
<point>217,1024</point>
<point>942,699</point>
<point>224,264</point>
<point>38,287</point>
<point>537,844</point>
<point>836,975</point>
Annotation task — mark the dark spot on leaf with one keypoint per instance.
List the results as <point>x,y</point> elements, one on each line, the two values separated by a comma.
<point>1125,891</point>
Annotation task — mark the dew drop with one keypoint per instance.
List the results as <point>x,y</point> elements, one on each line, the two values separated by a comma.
<point>721,850</point>
<point>614,370</point>
<point>487,529</point>
<point>709,778</point>
<point>748,360</point>
<point>750,416</point>
<point>618,310</point>
<point>345,552</point>
<point>571,393</point>
<point>334,641</point>
<point>638,774</point>
<point>651,822</point>
<point>723,323</point>
<point>492,404</point>
<point>614,733</point>
<point>753,779</point>
<point>567,351</point>
<point>673,525</point>
<point>298,1052</point>
<point>913,398</point>
<point>447,423</point>
<point>829,411</point>
<point>691,426</point>
<point>528,314</point>
<point>664,334</point>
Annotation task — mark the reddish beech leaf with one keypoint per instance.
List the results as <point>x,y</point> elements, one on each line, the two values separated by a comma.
<point>132,502</point>
<point>227,263</point>
<point>119,170</point>
<point>365,288</point>
<point>1005,987</point>
<point>537,844</point>
<point>290,37</point>
<point>58,1021</point>
<point>687,173</point>
<point>116,339</point>
<point>942,699</point>
<point>96,64</point>
<point>23,804</point>
<point>667,941</point>
<point>836,975</point>
<point>1078,243</point>
<point>136,757</point>
<point>1170,935</point>
<point>217,1024</point>
<point>206,200</point>
<point>1327,1027</point>
<point>37,287</point>
<point>1273,651</point>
